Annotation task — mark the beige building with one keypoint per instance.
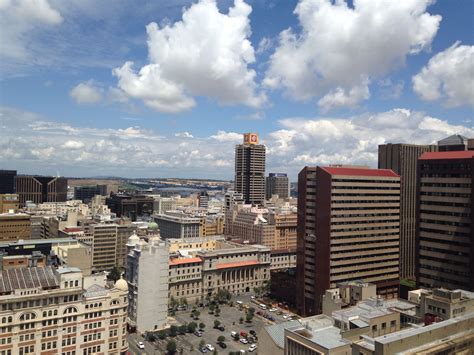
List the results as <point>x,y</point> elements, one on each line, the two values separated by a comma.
<point>441,304</point>
<point>348,229</point>
<point>8,203</point>
<point>453,336</point>
<point>49,311</point>
<point>14,226</point>
<point>274,229</point>
<point>229,266</point>
<point>194,244</point>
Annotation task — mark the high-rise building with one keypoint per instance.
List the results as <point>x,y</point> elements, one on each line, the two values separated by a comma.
<point>147,277</point>
<point>348,229</point>
<point>203,199</point>
<point>87,192</point>
<point>250,169</point>
<point>49,311</point>
<point>277,184</point>
<point>39,189</point>
<point>7,181</point>
<point>445,220</point>
<point>402,159</point>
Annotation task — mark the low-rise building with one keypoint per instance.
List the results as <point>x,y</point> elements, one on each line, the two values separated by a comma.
<point>44,310</point>
<point>282,259</point>
<point>14,226</point>
<point>9,203</point>
<point>441,304</point>
<point>177,224</point>
<point>229,266</point>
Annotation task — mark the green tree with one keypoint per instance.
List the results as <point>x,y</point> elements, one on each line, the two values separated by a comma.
<point>183,301</point>
<point>192,327</point>
<point>241,320</point>
<point>251,310</point>
<point>214,352</point>
<point>212,307</point>
<point>201,343</point>
<point>173,302</point>
<point>202,326</point>
<point>216,323</point>
<point>221,338</point>
<point>173,330</point>
<point>150,337</point>
<point>171,347</point>
<point>114,274</point>
<point>249,317</point>
<point>161,334</point>
<point>217,312</point>
<point>182,329</point>
<point>195,314</point>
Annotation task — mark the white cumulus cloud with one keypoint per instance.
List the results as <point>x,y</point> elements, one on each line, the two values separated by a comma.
<point>86,93</point>
<point>448,76</point>
<point>206,54</point>
<point>341,48</point>
<point>70,144</point>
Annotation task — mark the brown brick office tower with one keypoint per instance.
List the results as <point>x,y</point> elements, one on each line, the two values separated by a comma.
<point>445,235</point>
<point>348,229</point>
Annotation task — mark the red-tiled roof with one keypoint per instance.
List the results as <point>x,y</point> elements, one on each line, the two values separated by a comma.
<point>359,171</point>
<point>236,264</point>
<point>72,229</point>
<point>462,154</point>
<point>180,261</point>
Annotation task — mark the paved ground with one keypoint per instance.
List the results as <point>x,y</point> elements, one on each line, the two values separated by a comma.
<point>229,317</point>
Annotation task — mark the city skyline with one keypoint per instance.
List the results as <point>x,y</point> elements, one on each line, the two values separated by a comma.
<point>89,113</point>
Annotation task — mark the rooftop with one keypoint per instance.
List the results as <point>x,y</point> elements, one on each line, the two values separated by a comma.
<point>181,261</point>
<point>277,331</point>
<point>28,278</point>
<point>462,154</point>
<point>359,171</point>
<point>320,330</point>
<point>236,264</point>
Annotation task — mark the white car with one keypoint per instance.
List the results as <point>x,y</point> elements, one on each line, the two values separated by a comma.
<point>252,297</point>
<point>141,345</point>
<point>243,341</point>
<point>210,347</point>
<point>253,347</point>
<point>273,309</point>
<point>286,316</point>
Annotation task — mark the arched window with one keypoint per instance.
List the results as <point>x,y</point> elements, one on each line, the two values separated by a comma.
<point>70,310</point>
<point>27,316</point>
<point>114,302</point>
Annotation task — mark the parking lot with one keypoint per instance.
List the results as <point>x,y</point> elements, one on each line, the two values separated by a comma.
<point>229,317</point>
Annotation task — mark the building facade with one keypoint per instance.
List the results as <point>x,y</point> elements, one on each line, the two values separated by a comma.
<point>39,189</point>
<point>7,181</point>
<point>14,226</point>
<point>277,184</point>
<point>124,205</point>
<point>232,267</point>
<point>49,311</point>
<point>175,224</point>
<point>147,277</point>
<point>86,193</point>
<point>250,169</point>
<point>348,229</point>
<point>445,235</point>
<point>9,202</point>
<point>402,159</point>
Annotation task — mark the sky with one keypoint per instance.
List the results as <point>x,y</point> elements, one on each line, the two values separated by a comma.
<point>137,88</point>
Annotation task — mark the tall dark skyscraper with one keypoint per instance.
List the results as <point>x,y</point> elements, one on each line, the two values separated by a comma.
<point>277,184</point>
<point>39,189</point>
<point>87,192</point>
<point>445,220</point>
<point>402,158</point>
<point>7,181</point>
<point>250,169</point>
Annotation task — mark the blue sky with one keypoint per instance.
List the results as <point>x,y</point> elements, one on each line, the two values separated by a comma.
<point>321,82</point>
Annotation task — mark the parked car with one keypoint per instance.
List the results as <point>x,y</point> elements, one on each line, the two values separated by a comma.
<point>141,345</point>
<point>203,349</point>
<point>244,341</point>
<point>273,309</point>
<point>233,334</point>
<point>198,333</point>
<point>252,347</point>
<point>243,334</point>
<point>221,328</point>
<point>210,347</point>
<point>286,316</point>
<point>259,313</point>
<point>222,344</point>
<point>252,297</point>
<point>253,332</point>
